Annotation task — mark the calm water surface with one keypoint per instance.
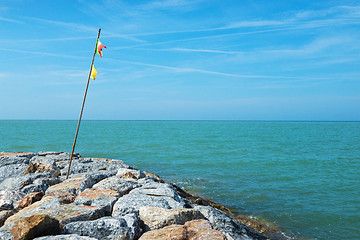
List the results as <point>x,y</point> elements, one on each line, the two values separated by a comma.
<point>304,176</point>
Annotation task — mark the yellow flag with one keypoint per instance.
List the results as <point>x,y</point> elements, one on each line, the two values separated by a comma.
<point>93,72</point>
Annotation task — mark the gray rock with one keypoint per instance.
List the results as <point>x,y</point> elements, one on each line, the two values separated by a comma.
<point>10,199</point>
<point>4,214</point>
<point>43,164</point>
<point>65,237</point>
<point>40,185</point>
<point>107,228</point>
<point>103,199</point>
<point>12,171</point>
<point>117,184</point>
<point>16,159</point>
<point>5,234</point>
<point>75,184</point>
<point>157,189</point>
<point>130,173</point>
<point>229,227</point>
<point>131,203</point>
<point>63,213</point>
<point>37,207</point>
<point>34,182</point>
<point>97,176</point>
<point>45,153</point>
<point>84,165</point>
<point>156,218</point>
<point>134,226</point>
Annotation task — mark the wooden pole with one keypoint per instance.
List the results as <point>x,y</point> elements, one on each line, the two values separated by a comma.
<point>82,107</point>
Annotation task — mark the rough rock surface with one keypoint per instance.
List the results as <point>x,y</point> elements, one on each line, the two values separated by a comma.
<point>5,214</point>
<point>102,199</point>
<point>155,218</point>
<point>9,199</point>
<point>173,232</point>
<point>35,226</point>
<point>65,237</point>
<point>39,164</point>
<point>202,230</point>
<point>105,228</point>
<point>117,184</point>
<point>192,230</point>
<point>224,223</point>
<point>30,199</point>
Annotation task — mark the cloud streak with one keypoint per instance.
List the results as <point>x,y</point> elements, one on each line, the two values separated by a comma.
<point>40,53</point>
<point>195,70</point>
<point>10,20</point>
<point>192,50</point>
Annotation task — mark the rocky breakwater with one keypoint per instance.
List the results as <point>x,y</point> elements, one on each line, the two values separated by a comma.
<point>102,199</point>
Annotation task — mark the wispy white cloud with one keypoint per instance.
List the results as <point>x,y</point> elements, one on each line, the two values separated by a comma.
<point>200,38</point>
<point>314,47</point>
<point>10,20</point>
<point>68,77</point>
<point>80,28</point>
<point>4,75</point>
<point>40,53</point>
<point>337,15</point>
<point>195,70</point>
<point>67,25</point>
<point>171,4</point>
<point>192,50</point>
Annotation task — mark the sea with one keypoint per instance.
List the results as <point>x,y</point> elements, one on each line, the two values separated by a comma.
<point>301,176</point>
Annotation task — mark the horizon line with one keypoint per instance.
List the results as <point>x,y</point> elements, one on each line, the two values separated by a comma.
<point>179,120</point>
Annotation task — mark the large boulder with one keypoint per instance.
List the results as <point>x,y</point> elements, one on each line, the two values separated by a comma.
<point>30,199</point>
<point>63,196</point>
<point>11,173</point>
<point>9,158</point>
<point>117,184</point>
<point>155,218</point>
<point>132,202</point>
<point>74,185</point>
<point>63,213</point>
<point>202,230</point>
<point>192,230</point>
<point>173,232</point>
<point>5,214</point>
<point>35,226</point>
<point>33,182</point>
<point>10,199</point>
<point>37,207</point>
<point>65,237</point>
<point>40,164</point>
<point>151,194</point>
<point>130,173</point>
<point>157,189</point>
<point>104,199</point>
<point>229,227</point>
<point>87,165</point>
<point>106,228</point>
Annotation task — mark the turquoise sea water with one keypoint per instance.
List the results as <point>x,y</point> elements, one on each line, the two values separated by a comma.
<point>304,176</point>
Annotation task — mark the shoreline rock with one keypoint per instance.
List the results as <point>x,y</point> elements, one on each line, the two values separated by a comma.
<point>104,199</point>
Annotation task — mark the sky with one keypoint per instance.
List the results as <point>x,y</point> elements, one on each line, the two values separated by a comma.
<point>287,60</point>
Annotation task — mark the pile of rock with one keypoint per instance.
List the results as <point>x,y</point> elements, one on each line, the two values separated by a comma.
<point>102,199</point>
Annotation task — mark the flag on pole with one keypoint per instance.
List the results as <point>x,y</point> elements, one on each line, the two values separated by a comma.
<point>93,72</point>
<point>99,47</point>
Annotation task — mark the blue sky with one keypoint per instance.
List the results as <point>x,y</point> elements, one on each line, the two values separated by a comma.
<point>181,59</point>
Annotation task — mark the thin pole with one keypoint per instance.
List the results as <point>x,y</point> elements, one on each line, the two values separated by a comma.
<point>82,108</point>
